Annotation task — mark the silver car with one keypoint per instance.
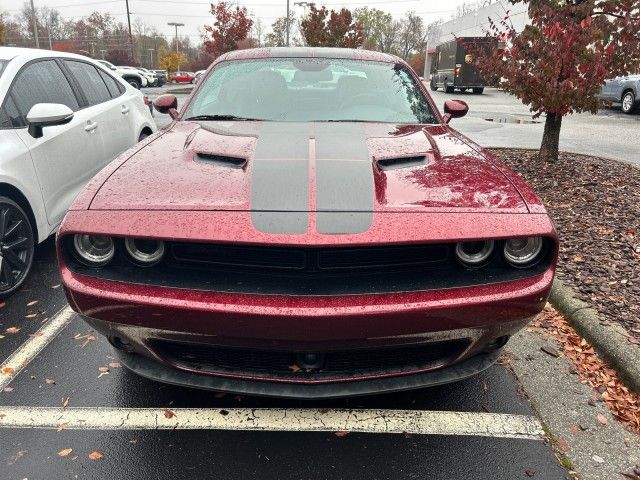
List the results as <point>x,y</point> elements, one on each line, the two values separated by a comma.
<point>625,90</point>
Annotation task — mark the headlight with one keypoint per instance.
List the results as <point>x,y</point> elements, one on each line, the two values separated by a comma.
<point>523,251</point>
<point>145,252</point>
<point>474,254</point>
<point>93,250</point>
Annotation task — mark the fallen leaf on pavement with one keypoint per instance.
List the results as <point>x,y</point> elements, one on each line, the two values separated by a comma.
<point>8,389</point>
<point>294,368</point>
<point>31,315</point>
<point>32,303</point>
<point>341,433</point>
<point>65,402</point>
<point>12,330</point>
<point>1,337</point>
<point>65,452</point>
<point>50,381</point>
<point>95,455</point>
<point>169,414</point>
<point>2,304</point>
<point>8,370</point>
<point>103,369</point>
<point>62,426</point>
<point>115,365</point>
<point>602,419</point>
<point>550,351</point>
<point>57,285</point>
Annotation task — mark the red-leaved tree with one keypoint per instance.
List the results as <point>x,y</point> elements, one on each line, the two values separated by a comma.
<point>558,64</point>
<point>324,28</point>
<point>232,25</point>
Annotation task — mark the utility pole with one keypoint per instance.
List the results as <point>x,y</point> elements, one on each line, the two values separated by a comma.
<point>49,35</point>
<point>176,24</point>
<point>287,23</point>
<point>35,24</point>
<point>151,54</point>
<point>129,23</point>
<point>93,49</point>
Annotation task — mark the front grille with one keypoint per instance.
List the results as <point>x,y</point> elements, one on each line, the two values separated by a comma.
<point>307,271</point>
<point>292,365</point>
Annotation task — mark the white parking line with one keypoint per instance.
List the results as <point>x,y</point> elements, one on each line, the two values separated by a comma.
<point>19,359</point>
<point>275,419</point>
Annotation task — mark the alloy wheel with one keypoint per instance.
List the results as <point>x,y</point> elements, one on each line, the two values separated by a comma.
<point>16,246</point>
<point>627,102</point>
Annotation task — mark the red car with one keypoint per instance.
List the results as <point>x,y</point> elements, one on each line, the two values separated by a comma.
<point>181,77</point>
<point>308,226</point>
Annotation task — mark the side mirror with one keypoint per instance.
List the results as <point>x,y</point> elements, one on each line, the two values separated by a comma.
<point>455,109</point>
<point>167,104</point>
<point>47,115</point>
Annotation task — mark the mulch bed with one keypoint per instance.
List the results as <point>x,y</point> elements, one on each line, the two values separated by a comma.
<point>595,204</point>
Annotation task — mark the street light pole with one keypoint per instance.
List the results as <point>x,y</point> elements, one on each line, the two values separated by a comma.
<point>151,54</point>
<point>129,23</point>
<point>35,24</point>
<point>176,24</point>
<point>287,23</point>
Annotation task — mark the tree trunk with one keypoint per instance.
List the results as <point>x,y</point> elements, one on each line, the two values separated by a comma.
<point>551,138</point>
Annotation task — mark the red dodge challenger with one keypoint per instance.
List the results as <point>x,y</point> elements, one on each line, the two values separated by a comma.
<point>308,226</point>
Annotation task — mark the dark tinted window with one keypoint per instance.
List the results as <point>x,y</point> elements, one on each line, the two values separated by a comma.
<point>90,82</point>
<point>115,89</point>
<point>42,82</point>
<point>10,116</point>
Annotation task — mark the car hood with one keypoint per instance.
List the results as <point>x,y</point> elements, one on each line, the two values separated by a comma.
<point>324,167</point>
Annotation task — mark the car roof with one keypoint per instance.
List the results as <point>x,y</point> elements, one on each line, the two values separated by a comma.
<point>8,53</point>
<point>310,52</point>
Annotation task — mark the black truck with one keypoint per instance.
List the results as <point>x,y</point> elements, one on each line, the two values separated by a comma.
<point>453,66</point>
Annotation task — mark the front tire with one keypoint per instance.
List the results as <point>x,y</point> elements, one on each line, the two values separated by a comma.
<point>17,244</point>
<point>478,91</point>
<point>447,88</point>
<point>628,102</point>
<point>135,83</point>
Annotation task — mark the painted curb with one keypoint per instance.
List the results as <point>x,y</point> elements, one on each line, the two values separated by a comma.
<point>610,341</point>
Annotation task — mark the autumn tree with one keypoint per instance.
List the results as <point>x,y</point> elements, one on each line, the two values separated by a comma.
<point>278,35</point>
<point>324,28</point>
<point>558,64</point>
<point>412,35</point>
<point>375,24</point>
<point>172,61</point>
<point>232,25</point>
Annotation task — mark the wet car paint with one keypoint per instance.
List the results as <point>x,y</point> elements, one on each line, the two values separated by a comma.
<point>168,192</point>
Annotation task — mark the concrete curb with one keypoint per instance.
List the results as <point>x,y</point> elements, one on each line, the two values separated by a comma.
<point>610,341</point>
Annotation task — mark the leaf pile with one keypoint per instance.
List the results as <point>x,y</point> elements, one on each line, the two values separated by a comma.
<point>595,204</point>
<point>623,404</point>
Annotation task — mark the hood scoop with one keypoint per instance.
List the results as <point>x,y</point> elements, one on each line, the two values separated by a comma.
<point>221,160</point>
<point>396,163</point>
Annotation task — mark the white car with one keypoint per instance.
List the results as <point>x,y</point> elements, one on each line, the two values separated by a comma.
<point>130,75</point>
<point>62,119</point>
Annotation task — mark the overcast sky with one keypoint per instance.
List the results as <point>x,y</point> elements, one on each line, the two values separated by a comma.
<point>195,13</point>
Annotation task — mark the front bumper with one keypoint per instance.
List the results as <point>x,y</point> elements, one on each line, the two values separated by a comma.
<point>154,371</point>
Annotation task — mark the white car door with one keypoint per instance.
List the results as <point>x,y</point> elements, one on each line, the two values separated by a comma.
<point>66,156</point>
<point>112,114</point>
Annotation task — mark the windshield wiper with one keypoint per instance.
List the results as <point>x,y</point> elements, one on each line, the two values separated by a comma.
<point>222,117</point>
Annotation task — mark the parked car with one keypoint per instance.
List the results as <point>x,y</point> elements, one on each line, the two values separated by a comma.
<point>146,80</point>
<point>62,118</point>
<point>152,78</point>
<point>310,242</point>
<point>625,90</point>
<point>133,77</point>
<point>453,66</point>
<point>162,75</point>
<point>197,75</point>
<point>181,77</point>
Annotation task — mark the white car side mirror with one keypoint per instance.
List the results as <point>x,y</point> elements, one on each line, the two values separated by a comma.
<point>46,115</point>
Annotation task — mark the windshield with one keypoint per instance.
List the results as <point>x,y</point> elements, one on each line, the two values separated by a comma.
<point>311,89</point>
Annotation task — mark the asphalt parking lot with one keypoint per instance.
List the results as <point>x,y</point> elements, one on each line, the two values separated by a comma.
<point>66,381</point>
<point>61,389</point>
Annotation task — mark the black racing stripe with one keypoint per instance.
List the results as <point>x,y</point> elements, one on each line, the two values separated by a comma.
<point>280,179</point>
<point>344,179</point>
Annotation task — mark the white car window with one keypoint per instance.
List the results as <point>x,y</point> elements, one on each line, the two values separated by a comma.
<point>42,82</point>
<point>90,81</point>
<point>10,116</point>
<point>115,89</point>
